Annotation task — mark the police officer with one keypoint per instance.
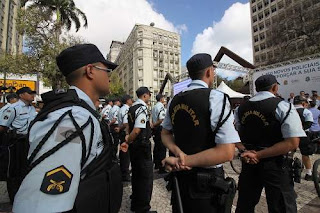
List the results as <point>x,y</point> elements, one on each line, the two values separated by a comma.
<point>67,144</point>
<point>305,145</point>
<point>106,110</point>
<point>198,129</point>
<point>114,122</point>
<point>140,152</point>
<point>158,114</point>
<point>16,119</point>
<point>11,99</point>
<point>269,129</point>
<point>123,125</point>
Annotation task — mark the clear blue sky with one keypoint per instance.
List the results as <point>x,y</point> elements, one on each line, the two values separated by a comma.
<point>197,15</point>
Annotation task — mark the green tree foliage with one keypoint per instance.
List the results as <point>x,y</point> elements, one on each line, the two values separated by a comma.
<point>235,84</point>
<point>65,10</point>
<point>42,46</point>
<point>116,89</point>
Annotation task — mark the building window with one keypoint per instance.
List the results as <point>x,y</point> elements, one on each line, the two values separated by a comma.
<point>263,46</point>
<point>260,16</point>
<point>254,9</point>
<point>140,33</point>
<point>160,54</point>
<point>166,65</point>
<point>161,64</point>
<point>260,6</point>
<point>253,1</point>
<point>171,66</point>
<point>266,2</point>
<point>140,53</point>
<point>257,59</point>
<point>270,55</point>
<point>155,53</point>
<point>161,74</point>
<point>256,39</point>
<point>263,57</point>
<point>262,36</point>
<point>256,49</point>
<point>155,83</point>
<point>140,83</point>
<point>255,29</point>
<point>140,42</point>
<point>274,9</point>
<point>254,19</point>
<point>140,62</point>
<point>261,26</point>
<point>155,63</point>
<point>266,12</point>
<point>268,23</point>
<point>155,73</point>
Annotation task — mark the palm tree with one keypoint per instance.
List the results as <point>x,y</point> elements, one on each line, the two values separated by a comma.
<point>65,10</point>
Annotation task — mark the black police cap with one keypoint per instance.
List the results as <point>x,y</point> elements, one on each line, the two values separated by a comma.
<point>80,55</point>
<point>25,89</point>
<point>199,62</point>
<point>265,81</point>
<point>142,90</point>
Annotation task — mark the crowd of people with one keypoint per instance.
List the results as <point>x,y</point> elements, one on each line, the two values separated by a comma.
<point>73,156</point>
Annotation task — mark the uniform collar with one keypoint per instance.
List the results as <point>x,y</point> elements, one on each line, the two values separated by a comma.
<point>198,83</point>
<point>82,95</point>
<point>21,103</point>
<point>298,106</point>
<point>139,101</point>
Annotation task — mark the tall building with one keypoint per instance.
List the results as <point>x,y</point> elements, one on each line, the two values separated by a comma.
<point>114,51</point>
<point>280,29</point>
<point>10,39</point>
<point>146,57</point>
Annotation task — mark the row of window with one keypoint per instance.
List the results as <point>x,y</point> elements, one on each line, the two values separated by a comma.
<point>264,14</point>
<point>165,55</point>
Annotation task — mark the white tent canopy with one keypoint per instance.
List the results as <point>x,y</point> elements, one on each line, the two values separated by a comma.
<point>225,89</point>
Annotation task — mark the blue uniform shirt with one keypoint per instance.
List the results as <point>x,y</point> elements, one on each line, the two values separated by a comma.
<point>114,113</point>
<point>291,127</point>
<point>123,114</point>
<point>158,112</point>
<point>226,133</point>
<point>29,197</point>
<point>18,116</point>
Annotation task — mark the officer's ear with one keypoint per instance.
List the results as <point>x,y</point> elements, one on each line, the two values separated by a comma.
<point>89,71</point>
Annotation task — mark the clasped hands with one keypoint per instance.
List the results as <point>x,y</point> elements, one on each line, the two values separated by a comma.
<point>250,157</point>
<point>175,163</point>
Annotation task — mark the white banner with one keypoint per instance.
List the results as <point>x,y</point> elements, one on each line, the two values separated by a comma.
<point>178,87</point>
<point>303,76</point>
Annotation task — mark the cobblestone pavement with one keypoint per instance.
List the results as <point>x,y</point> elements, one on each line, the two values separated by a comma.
<point>307,201</point>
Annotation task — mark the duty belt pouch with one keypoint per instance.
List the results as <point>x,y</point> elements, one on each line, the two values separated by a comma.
<point>100,192</point>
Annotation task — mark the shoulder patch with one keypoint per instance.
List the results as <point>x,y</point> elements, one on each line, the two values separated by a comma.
<point>56,181</point>
<point>5,117</point>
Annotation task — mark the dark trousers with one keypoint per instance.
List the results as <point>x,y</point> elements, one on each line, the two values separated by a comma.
<point>159,151</point>
<point>142,177</point>
<point>273,175</point>
<point>18,163</point>
<point>192,199</point>
<point>124,158</point>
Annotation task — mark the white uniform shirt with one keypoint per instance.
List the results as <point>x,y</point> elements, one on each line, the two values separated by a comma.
<point>123,114</point>
<point>114,113</point>
<point>307,114</point>
<point>18,116</point>
<point>158,112</point>
<point>105,112</point>
<point>142,115</point>
<point>29,197</point>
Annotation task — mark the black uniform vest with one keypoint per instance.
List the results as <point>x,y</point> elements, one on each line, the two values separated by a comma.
<point>300,112</point>
<point>259,126</point>
<point>190,118</point>
<point>145,133</point>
